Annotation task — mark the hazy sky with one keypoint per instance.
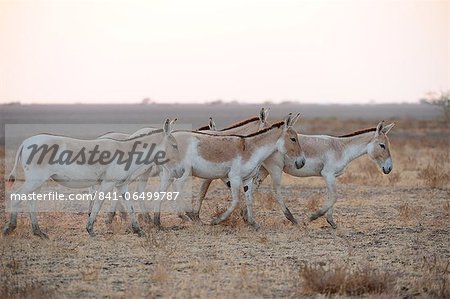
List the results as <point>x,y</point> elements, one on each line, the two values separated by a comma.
<point>195,51</point>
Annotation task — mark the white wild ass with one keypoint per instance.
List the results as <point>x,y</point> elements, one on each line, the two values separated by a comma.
<point>328,157</point>
<point>115,166</point>
<point>236,158</point>
<point>141,180</point>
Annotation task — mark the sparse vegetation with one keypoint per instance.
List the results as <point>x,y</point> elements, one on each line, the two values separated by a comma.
<point>342,280</point>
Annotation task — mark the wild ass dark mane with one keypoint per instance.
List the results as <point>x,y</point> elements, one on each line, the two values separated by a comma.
<point>236,125</point>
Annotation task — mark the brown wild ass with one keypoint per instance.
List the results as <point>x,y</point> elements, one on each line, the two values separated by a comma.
<point>235,158</point>
<point>244,127</point>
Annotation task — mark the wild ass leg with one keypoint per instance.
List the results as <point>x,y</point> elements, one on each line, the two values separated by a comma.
<point>178,187</point>
<point>164,185</point>
<point>28,187</point>
<point>260,177</point>
<point>329,203</point>
<point>275,174</point>
<point>112,212</point>
<point>134,223</point>
<point>234,186</point>
<point>104,187</point>
<point>248,191</point>
<point>195,214</point>
<point>34,221</point>
<point>142,183</point>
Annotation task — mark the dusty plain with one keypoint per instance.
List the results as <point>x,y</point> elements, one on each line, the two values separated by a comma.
<point>392,240</point>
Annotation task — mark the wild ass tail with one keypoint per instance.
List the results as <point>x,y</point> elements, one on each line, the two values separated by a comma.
<point>12,175</point>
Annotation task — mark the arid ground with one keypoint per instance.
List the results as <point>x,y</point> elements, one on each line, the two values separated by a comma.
<point>392,240</point>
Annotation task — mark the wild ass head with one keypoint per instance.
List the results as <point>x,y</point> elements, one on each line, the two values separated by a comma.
<point>378,148</point>
<point>245,127</point>
<point>263,115</point>
<point>289,144</point>
<point>174,159</point>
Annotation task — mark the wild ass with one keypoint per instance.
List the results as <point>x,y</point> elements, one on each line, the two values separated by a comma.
<point>236,158</point>
<point>245,127</point>
<point>328,156</point>
<point>115,166</point>
<point>141,180</point>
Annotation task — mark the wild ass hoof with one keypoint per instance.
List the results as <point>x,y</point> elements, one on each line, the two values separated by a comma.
<point>314,217</point>
<point>157,219</point>
<point>147,218</point>
<point>290,217</point>
<point>8,229</point>
<point>37,232</point>
<point>139,231</point>
<point>244,215</point>
<point>332,223</point>
<point>184,217</point>
<point>90,230</point>
<point>254,225</point>
<point>192,216</point>
<point>216,221</point>
<point>124,216</point>
<point>110,217</point>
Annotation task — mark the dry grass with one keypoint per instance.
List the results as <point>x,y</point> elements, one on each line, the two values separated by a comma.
<point>341,280</point>
<point>435,176</point>
<point>12,282</point>
<point>435,278</point>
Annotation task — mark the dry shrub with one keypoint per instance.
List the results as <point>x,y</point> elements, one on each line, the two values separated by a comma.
<point>344,281</point>
<point>435,279</point>
<point>435,176</point>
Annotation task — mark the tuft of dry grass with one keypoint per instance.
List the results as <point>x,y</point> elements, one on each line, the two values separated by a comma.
<point>435,176</point>
<point>160,274</point>
<point>341,280</point>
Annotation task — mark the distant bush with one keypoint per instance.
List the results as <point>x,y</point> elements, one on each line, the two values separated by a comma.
<point>441,100</point>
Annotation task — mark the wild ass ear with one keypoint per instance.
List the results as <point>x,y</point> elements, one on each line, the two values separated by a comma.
<point>173,121</point>
<point>212,124</point>
<point>263,115</point>
<point>294,120</point>
<point>387,128</point>
<point>166,127</point>
<point>287,121</point>
<point>379,127</point>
